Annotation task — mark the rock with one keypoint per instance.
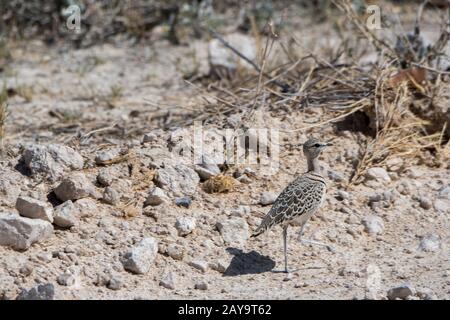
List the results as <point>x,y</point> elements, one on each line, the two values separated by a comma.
<point>219,266</point>
<point>335,176</point>
<point>178,179</point>
<point>199,265</point>
<point>111,196</point>
<point>201,285</point>
<point>373,225</point>
<point>51,161</point>
<point>430,243</point>
<point>175,251</point>
<point>40,292</point>
<point>65,215</point>
<point>140,258</point>
<point>106,156</point>
<point>168,281</point>
<point>156,197</point>
<point>183,202</point>
<point>442,206</point>
<point>267,198</point>
<point>35,209</point>
<point>342,195</point>
<point>378,174</point>
<point>106,176</point>
<point>425,203</point>
<point>220,56</point>
<point>241,211</point>
<point>114,283</point>
<point>66,279</point>
<point>26,270</point>
<point>75,187</point>
<point>234,231</point>
<point>87,207</point>
<point>444,193</point>
<point>401,292</point>
<point>149,137</point>
<point>185,225</point>
<point>207,169</point>
<point>426,294</point>
<point>20,233</point>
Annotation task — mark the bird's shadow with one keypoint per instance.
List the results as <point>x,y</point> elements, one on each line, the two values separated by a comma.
<point>247,263</point>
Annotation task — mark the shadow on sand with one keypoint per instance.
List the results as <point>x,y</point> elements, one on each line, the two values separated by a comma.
<point>247,263</point>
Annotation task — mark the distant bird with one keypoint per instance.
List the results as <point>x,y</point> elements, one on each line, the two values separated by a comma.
<point>300,199</point>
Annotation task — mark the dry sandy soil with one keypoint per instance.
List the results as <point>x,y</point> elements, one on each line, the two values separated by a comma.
<point>390,230</point>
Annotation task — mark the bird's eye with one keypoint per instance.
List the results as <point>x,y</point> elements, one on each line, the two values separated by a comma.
<point>317,145</point>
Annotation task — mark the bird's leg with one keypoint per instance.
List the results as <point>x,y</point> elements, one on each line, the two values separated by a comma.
<point>307,241</point>
<point>285,248</point>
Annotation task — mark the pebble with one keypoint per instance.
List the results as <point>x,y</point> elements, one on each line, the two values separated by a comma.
<point>183,202</point>
<point>65,215</point>
<point>156,197</point>
<point>430,243</point>
<point>199,265</point>
<point>35,209</point>
<point>108,155</point>
<point>40,292</point>
<point>402,292</point>
<point>74,187</point>
<point>20,233</point>
<point>185,225</point>
<point>139,258</point>
<point>267,198</point>
<point>175,251</point>
<point>168,281</point>
<point>378,174</point>
<point>114,284</point>
<point>66,279</point>
<point>425,203</point>
<point>234,231</point>
<point>201,286</point>
<point>373,225</point>
<point>111,196</point>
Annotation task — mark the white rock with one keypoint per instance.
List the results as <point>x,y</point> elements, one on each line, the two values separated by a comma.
<point>66,279</point>
<point>430,243</point>
<point>105,156</point>
<point>35,209</point>
<point>75,187</point>
<point>199,265</point>
<point>378,174</point>
<point>175,251</point>
<point>178,179</point>
<point>156,197</point>
<point>220,56</point>
<point>111,196</point>
<point>168,281</point>
<point>149,137</point>
<point>185,225</point>
<point>51,161</point>
<point>267,198</point>
<point>241,211</point>
<point>140,258</point>
<point>442,206</point>
<point>373,225</point>
<point>401,292</point>
<point>234,231</point>
<point>65,215</point>
<point>20,233</point>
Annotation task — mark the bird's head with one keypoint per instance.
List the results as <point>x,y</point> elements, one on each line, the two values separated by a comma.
<point>313,147</point>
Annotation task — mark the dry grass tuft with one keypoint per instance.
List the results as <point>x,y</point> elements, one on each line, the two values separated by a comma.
<point>219,184</point>
<point>3,115</point>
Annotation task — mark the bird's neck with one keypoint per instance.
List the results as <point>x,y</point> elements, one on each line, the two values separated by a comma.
<point>313,165</point>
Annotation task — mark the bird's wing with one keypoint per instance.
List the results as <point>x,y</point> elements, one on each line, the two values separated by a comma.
<point>300,197</point>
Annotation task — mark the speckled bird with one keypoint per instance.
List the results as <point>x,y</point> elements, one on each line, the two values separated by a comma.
<point>300,199</point>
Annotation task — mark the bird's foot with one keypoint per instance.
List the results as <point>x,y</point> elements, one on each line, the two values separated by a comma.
<point>313,242</point>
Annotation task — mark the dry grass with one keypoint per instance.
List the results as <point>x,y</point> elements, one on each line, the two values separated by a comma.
<point>3,115</point>
<point>219,184</point>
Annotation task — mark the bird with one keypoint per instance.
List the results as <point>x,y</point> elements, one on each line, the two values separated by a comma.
<point>300,199</point>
